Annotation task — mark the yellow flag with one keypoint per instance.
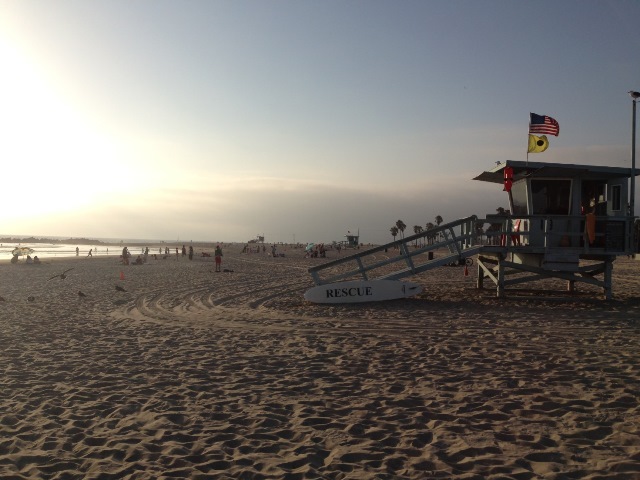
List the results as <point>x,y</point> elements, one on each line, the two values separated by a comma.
<point>538,144</point>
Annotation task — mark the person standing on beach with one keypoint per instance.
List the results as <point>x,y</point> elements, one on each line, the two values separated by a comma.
<point>77,251</point>
<point>125,256</point>
<point>190,252</point>
<point>90,254</point>
<point>218,255</point>
<point>184,251</point>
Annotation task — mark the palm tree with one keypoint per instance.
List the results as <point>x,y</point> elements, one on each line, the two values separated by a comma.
<point>417,229</point>
<point>479,228</point>
<point>438,222</point>
<point>394,232</point>
<point>401,226</point>
<point>429,226</point>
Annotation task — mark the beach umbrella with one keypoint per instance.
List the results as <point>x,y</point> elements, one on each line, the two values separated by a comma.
<point>22,251</point>
<point>310,247</point>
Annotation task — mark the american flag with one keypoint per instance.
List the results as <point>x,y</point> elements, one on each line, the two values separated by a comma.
<point>543,125</point>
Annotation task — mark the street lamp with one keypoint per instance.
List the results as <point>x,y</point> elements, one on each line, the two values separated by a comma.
<point>634,96</point>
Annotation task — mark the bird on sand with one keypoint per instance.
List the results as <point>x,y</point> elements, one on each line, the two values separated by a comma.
<point>62,275</point>
<point>80,294</point>
<point>120,289</point>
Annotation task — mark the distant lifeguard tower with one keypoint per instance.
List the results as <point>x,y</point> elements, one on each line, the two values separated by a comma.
<point>353,240</point>
<point>566,221</point>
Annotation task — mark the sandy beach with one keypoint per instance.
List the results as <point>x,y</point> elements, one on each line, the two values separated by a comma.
<point>189,373</point>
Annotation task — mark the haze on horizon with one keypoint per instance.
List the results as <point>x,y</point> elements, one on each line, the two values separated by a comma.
<point>221,120</point>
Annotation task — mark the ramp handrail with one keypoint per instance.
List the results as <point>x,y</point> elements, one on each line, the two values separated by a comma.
<point>458,242</point>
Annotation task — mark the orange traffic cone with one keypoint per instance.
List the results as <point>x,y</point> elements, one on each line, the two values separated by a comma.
<point>121,275</point>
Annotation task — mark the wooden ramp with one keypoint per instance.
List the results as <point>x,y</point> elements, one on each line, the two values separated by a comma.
<point>411,254</point>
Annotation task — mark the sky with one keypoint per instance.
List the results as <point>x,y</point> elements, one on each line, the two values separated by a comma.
<point>221,120</point>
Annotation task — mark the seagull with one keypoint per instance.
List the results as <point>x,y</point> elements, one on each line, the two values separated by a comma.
<point>80,294</point>
<point>120,289</point>
<point>62,276</point>
<point>634,95</point>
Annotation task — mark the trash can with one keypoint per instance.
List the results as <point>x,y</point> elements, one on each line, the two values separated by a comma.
<point>430,255</point>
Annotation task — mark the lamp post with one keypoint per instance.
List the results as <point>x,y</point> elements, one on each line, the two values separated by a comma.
<point>634,96</point>
<point>632,202</point>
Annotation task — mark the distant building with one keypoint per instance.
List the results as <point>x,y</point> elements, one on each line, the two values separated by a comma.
<point>353,240</point>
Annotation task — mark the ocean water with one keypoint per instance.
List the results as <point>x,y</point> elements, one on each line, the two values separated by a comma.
<point>51,250</point>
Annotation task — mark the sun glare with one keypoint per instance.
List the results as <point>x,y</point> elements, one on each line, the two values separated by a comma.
<point>53,159</point>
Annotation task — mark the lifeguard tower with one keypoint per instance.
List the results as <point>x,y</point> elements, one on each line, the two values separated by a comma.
<point>353,240</point>
<point>566,221</point>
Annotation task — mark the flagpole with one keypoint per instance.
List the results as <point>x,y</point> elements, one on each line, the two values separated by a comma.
<point>527,164</point>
